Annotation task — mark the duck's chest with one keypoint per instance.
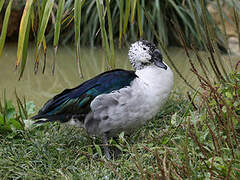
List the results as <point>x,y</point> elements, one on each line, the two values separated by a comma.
<point>143,99</point>
<point>147,98</point>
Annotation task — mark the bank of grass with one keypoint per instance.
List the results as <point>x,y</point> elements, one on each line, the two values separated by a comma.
<point>54,150</point>
<point>176,144</point>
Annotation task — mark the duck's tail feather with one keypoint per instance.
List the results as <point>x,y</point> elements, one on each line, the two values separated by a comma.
<point>62,118</point>
<point>49,118</point>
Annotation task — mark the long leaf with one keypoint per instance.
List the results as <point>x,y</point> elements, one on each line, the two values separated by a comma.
<point>236,20</point>
<point>5,26</point>
<point>44,47</point>
<point>197,23</point>
<point>25,48</point>
<point>126,17</point>
<point>23,30</point>
<point>161,25</point>
<point>77,24</point>
<point>222,22</point>
<point>5,106</point>
<point>100,8</point>
<point>32,17</point>
<point>120,24</point>
<point>179,11</point>
<point>110,32</point>
<point>134,3</point>
<point>139,19</point>
<point>41,8</point>
<point>44,21</point>
<point>1,107</point>
<point>22,110</point>
<point>58,22</point>
<point>57,30</point>
<point>1,4</point>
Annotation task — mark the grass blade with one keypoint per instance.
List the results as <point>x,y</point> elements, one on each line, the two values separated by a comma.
<point>77,24</point>
<point>161,25</point>
<point>126,18</point>
<point>57,30</point>
<point>58,22</point>
<point>222,22</point>
<point>236,20</point>
<point>41,8</point>
<point>44,21</point>
<point>44,47</point>
<point>23,30</point>
<point>22,110</point>
<point>1,4</point>
<point>110,32</point>
<point>5,25</point>
<point>5,106</point>
<point>139,20</point>
<point>25,48</point>
<point>120,24</point>
<point>197,24</point>
<point>100,8</point>
<point>1,107</point>
<point>180,12</point>
<point>134,2</point>
<point>40,36</point>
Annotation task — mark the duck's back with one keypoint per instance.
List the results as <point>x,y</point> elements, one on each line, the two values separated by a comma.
<point>75,103</point>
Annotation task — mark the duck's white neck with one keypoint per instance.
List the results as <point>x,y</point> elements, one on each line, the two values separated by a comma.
<point>157,78</point>
<point>152,88</point>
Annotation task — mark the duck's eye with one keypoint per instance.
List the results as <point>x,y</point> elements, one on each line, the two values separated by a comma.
<point>144,49</point>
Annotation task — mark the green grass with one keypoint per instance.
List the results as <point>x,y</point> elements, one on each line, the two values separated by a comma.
<point>54,150</point>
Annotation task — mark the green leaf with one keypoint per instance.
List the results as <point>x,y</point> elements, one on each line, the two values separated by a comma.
<point>126,18</point>
<point>23,30</point>
<point>139,19</point>
<point>5,25</point>
<point>99,151</point>
<point>77,24</point>
<point>57,30</point>
<point>134,2</point>
<point>120,24</point>
<point>229,95</point>
<point>100,8</point>
<point>44,21</point>
<point>110,32</point>
<point>119,147</point>
<point>58,22</point>
<point>90,151</point>
<point>1,4</point>
<point>25,48</point>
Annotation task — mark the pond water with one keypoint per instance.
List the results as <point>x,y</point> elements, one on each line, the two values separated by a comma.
<point>39,88</point>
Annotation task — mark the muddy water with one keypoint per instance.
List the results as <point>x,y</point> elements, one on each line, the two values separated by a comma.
<point>39,88</point>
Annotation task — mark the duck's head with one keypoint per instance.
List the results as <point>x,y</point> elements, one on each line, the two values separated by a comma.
<point>144,53</point>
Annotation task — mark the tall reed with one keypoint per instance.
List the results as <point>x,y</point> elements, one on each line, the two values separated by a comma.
<point>117,22</point>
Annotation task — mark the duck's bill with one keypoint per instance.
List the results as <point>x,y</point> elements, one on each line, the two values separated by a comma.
<point>157,59</point>
<point>160,64</point>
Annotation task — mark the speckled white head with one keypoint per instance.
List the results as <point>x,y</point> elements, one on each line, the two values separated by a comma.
<point>144,53</point>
